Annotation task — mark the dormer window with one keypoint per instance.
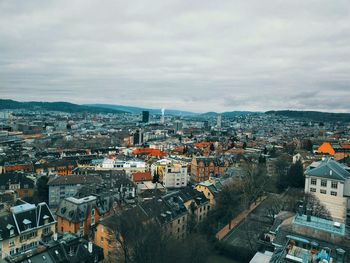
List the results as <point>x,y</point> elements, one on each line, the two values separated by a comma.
<point>46,219</point>
<point>27,224</point>
<point>11,229</point>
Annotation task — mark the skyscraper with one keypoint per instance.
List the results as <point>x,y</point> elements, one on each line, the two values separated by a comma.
<point>162,117</point>
<point>145,116</point>
<point>218,121</point>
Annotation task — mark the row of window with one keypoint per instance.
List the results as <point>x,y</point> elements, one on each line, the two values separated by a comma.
<point>28,236</point>
<point>334,184</point>
<point>323,191</point>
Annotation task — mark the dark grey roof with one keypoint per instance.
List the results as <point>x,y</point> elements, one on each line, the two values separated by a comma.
<point>74,179</point>
<point>77,210</point>
<point>328,168</point>
<point>74,250</point>
<point>16,178</point>
<point>24,217</point>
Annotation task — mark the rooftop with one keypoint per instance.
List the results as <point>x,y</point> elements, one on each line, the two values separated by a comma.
<point>81,200</point>
<point>320,224</point>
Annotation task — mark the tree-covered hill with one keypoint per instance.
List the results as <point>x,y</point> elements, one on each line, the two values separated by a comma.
<point>53,106</point>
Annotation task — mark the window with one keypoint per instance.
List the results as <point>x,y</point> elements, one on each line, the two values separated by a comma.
<point>333,193</point>
<point>334,185</point>
<point>313,181</point>
<point>323,191</point>
<point>11,242</point>
<point>92,211</point>
<point>324,183</point>
<point>313,190</point>
<point>46,230</point>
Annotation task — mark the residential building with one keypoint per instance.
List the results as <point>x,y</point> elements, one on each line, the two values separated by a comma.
<point>336,150</point>
<point>196,203</point>
<point>61,187</point>
<point>129,167</point>
<point>60,167</point>
<point>210,189</point>
<point>171,173</point>
<point>140,177</point>
<point>79,215</point>
<point>329,181</point>
<point>18,182</point>
<point>202,168</point>
<point>168,211</point>
<point>305,238</point>
<point>67,248</point>
<point>23,226</point>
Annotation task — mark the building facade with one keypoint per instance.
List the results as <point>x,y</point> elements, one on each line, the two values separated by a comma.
<point>171,173</point>
<point>79,215</point>
<point>329,181</point>
<point>23,227</point>
<point>202,168</point>
<point>61,187</point>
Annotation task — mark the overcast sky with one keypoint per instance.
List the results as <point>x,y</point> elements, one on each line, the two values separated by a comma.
<point>193,55</point>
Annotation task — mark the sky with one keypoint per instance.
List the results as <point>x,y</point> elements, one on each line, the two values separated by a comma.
<point>198,55</point>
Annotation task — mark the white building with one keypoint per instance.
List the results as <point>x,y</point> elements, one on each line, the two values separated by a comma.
<point>129,167</point>
<point>329,181</point>
<point>173,174</point>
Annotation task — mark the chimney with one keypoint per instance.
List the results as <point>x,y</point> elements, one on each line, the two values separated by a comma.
<point>308,215</point>
<point>90,247</point>
<point>340,255</point>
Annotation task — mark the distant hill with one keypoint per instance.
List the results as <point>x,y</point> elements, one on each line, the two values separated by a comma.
<point>228,114</point>
<point>138,110</point>
<point>53,106</point>
<point>313,115</point>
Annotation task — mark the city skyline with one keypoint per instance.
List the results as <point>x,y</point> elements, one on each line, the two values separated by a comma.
<point>198,56</point>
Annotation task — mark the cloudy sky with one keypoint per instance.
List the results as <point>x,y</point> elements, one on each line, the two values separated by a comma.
<point>198,55</point>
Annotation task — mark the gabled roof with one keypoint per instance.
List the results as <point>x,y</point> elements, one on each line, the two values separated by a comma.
<point>328,168</point>
<point>24,216</point>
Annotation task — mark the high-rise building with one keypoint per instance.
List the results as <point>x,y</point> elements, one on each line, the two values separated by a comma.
<point>162,117</point>
<point>177,126</point>
<point>145,116</point>
<point>218,121</point>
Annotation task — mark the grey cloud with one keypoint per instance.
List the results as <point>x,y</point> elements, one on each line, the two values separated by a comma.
<point>193,55</point>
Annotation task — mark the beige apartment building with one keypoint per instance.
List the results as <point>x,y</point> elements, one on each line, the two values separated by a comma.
<point>23,226</point>
<point>329,181</point>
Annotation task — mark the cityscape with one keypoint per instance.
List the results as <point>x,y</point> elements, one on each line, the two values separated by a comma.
<point>174,131</point>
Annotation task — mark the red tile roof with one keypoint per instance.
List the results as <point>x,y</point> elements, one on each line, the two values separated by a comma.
<point>149,152</point>
<point>141,176</point>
